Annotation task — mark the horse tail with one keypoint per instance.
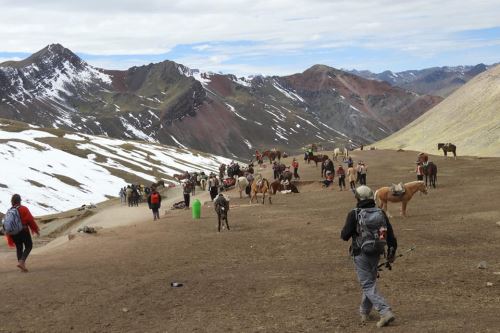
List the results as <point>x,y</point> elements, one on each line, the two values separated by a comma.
<point>376,198</point>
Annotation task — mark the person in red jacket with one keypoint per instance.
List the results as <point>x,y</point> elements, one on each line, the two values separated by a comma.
<point>22,240</point>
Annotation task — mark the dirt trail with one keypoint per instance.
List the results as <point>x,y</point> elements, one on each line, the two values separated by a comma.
<point>281,268</point>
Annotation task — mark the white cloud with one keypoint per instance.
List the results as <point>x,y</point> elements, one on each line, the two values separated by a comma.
<point>421,28</point>
<point>154,26</point>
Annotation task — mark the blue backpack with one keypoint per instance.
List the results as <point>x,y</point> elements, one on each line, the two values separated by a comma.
<point>12,222</point>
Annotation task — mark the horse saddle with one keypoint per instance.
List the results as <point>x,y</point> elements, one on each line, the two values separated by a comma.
<point>398,190</point>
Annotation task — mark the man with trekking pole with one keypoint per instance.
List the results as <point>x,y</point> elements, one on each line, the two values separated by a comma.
<point>371,232</point>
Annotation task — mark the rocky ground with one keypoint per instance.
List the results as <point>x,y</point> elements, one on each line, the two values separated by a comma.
<point>281,268</point>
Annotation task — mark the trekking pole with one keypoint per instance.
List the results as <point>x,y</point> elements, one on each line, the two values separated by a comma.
<point>387,264</point>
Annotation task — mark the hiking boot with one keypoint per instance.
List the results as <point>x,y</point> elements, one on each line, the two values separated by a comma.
<point>22,266</point>
<point>385,319</point>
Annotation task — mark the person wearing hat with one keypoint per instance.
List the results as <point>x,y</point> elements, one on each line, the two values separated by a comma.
<point>359,220</point>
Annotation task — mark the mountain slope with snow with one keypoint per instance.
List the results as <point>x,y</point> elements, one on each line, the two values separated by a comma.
<point>169,103</point>
<point>469,118</point>
<point>56,171</point>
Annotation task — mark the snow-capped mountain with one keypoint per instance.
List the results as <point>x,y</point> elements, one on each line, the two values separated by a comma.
<point>169,103</point>
<point>439,81</point>
<point>57,171</point>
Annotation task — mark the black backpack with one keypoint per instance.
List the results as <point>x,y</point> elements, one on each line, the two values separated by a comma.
<point>372,231</point>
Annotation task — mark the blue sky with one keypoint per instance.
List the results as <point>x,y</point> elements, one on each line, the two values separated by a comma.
<point>258,37</point>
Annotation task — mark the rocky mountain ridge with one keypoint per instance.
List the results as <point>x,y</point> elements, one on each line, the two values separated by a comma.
<point>169,103</point>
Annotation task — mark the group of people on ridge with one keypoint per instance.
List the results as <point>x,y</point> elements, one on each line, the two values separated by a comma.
<point>354,175</point>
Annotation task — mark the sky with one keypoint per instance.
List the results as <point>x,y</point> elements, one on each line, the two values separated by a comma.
<point>270,37</point>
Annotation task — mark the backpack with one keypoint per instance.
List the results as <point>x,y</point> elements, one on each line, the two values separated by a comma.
<point>12,222</point>
<point>155,198</point>
<point>372,231</point>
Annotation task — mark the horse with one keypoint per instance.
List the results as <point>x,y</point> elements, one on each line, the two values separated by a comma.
<point>448,148</point>
<point>221,207</point>
<point>430,173</point>
<point>272,155</point>
<point>338,152</point>
<point>263,188</point>
<point>241,184</point>
<point>317,158</point>
<point>383,195</point>
<point>203,184</point>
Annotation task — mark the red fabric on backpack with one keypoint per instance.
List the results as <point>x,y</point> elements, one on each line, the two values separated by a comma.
<point>155,198</point>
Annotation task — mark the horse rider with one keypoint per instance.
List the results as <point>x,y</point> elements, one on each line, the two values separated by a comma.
<point>366,262</point>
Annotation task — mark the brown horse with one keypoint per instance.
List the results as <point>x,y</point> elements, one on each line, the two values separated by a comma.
<point>430,172</point>
<point>272,155</point>
<point>383,195</point>
<point>448,148</point>
<point>317,158</point>
<point>264,187</point>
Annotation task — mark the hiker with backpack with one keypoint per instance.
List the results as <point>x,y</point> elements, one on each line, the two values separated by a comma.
<point>371,232</point>
<point>17,224</point>
<point>186,190</point>
<point>154,203</point>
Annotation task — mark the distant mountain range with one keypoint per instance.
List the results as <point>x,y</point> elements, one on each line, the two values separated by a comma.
<point>439,81</point>
<point>469,118</point>
<point>169,103</point>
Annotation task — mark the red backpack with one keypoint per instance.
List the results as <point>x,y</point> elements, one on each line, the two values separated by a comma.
<point>155,198</point>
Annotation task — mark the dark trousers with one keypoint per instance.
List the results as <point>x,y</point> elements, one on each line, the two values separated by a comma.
<point>342,181</point>
<point>353,185</point>
<point>358,179</point>
<point>363,179</point>
<point>187,196</point>
<point>213,193</point>
<point>156,213</point>
<point>276,174</point>
<point>296,173</point>
<point>24,244</point>
<point>420,177</point>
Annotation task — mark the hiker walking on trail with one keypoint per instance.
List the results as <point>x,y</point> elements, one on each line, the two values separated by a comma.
<point>341,175</point>
<point>295,166</point>
<point>186,190</point>
<point>213,186</point>
<point>419,171</point>
<point>362,173</point>
<point>370,230</point>
<point>17,224</point>
<point>351,177</point>
<point>154,203</point>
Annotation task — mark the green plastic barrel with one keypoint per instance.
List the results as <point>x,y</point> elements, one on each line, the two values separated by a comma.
<point>196,209</point>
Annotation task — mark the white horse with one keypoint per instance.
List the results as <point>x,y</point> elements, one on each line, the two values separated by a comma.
<point>337,152</point>
<point>203,184</point>
<point>241,184</point>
